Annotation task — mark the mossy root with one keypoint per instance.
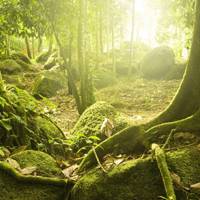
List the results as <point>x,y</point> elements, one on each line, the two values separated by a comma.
<point>124,141</point>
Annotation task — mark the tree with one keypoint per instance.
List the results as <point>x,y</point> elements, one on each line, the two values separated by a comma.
<point>183,114</point>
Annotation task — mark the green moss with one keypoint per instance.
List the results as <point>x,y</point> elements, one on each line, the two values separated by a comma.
<point>10,66</point>
<point>46,165</point>
<point>139,179</point>
<point>19,187</point>
<point>90,122</point>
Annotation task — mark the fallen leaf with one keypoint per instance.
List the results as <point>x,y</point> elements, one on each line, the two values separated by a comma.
<point>69,171</point>
<point>28,170</point>
<point>195,186</point>
<point>13,163</point>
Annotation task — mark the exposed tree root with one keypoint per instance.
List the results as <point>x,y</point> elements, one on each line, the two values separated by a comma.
<point>123,142</point>
<point>128,140</point>
<point>164,171</point>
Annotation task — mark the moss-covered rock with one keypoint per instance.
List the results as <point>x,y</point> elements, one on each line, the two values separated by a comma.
<point>44,163</point>
<point>49,82</point>
<point>140,179</point>
<point>90,122</point>
<point>157,63</point>
<point>10,66</point>
<point>21,57</point>
<point>19,187</point>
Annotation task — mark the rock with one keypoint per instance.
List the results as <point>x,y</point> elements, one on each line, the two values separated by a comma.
<point>157,63</point>
<point>140,179</point>
<point>10,67</point>
<point>15,186</point>
<point>44,163</point>
<point>49,82</point>
<point>21,57</point>
<point>91,121</point>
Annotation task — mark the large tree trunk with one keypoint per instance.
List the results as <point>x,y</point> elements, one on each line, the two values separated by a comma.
<point>187,100</point>
<point>182,115</point>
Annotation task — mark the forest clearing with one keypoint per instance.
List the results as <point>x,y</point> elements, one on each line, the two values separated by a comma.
<point>99,99</point>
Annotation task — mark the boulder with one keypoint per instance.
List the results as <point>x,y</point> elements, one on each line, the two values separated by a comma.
<point>49,82</point>
<point>140,179</point>
<point>10,66</point>
<point>157,63</point>
<point>45,165</point>
<point>88,127</point>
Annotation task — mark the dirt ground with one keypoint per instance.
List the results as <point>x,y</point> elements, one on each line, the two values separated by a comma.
<point>140,100</point>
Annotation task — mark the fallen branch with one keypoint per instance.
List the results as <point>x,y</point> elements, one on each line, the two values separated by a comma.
<point>98,161</point>
<point>164,171</point>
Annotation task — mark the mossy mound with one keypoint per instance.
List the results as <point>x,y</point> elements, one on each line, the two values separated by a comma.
<point>21,57</point>
<point>90,122</point>
<point>140,179</point>
<point>18,187</point>
<point>44,163</point>
<point>10,66</point>
<point>157,63</point>
<point>49,82</point>
<point>43,57</point>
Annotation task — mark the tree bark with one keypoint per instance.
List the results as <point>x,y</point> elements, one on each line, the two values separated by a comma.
<point>28,49</point>
<point>187,100</point>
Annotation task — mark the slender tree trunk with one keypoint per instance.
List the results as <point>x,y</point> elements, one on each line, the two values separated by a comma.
<point>7,51</point>
<point>40,43</point>
<point>33,47</point>
<point>28,49</point>
<point>187,100</point>
<point>101,30</point>
<point>67,68</point>
<point>70,61</point>
<point>132,36</point>
<point>50,44</point>
<point>113,45</point>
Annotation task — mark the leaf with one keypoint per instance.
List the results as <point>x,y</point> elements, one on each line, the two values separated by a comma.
<point>5,123</point>
<point>95,138</point>
<point>68,172</point>
<point>13,163</point>
<point>28,170</point>
<point>195,186</point>
<point>118,161</point>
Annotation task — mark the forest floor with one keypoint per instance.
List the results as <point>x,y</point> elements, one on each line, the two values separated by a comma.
<point>139,99</point>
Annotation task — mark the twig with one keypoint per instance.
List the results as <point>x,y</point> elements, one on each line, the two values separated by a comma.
<point>164,171</point>
<point>98,161</point>
<point>169,138</point>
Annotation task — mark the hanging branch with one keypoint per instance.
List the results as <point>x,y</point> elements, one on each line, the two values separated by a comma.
<point>164,171</point>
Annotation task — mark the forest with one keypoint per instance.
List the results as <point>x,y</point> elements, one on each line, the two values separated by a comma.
<point>99,99</point>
